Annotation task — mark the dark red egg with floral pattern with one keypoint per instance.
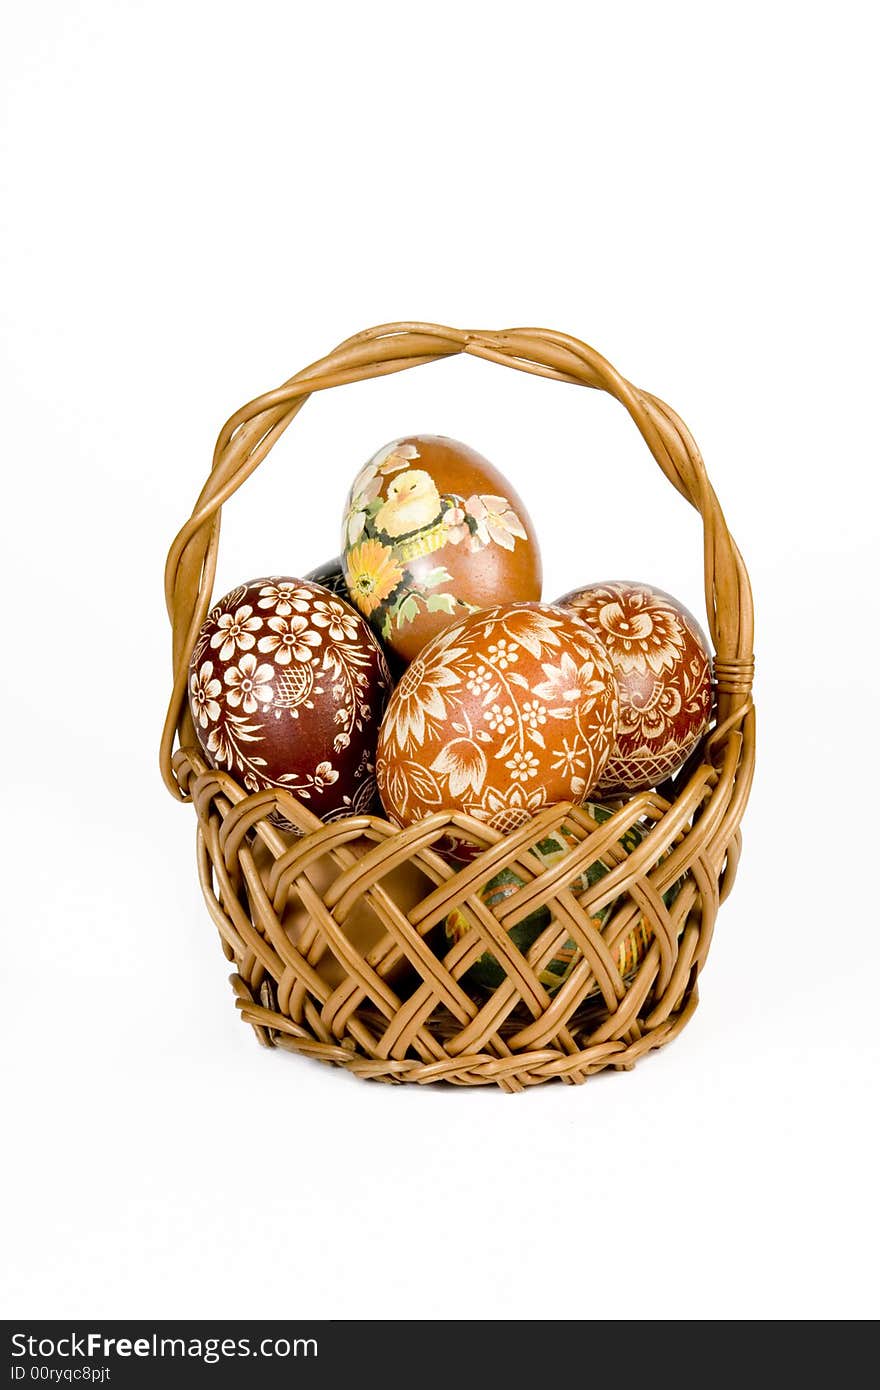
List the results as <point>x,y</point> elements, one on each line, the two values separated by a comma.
<point>287,688</point>
<point>662,665</point>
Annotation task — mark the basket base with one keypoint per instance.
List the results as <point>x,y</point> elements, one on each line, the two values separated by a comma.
<point>513,1072</point>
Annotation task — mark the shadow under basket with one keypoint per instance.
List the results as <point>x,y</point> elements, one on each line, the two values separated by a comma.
<point>339,934</point>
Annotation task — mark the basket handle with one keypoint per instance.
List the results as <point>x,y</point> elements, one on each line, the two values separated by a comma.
<point>250,433</point>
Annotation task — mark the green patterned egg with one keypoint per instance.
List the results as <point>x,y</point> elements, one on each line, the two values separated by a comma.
<point>488,973</point>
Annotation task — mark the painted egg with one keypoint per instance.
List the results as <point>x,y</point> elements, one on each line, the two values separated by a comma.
<point>662,664</point>
<point>432,532</point>
<point>487,971</point>
<point>287,687</point>
<point>330,576</point>
<point>508,711</point>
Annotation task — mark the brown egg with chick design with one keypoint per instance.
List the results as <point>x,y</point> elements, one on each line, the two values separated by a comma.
<point>432,532</point>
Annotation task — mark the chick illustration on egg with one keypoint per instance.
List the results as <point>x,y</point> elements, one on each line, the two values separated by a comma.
<point>433,532</point>
<point>412,503</point>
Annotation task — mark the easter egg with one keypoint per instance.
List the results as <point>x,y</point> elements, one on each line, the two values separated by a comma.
<point>330,576</point>
<point>287,687</point>
<point>662,664</point>
<point>510,710</point>
<point>487,971</point>
<point>432,532</point>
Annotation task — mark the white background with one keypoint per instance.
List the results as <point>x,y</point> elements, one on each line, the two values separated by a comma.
<point>201,199</point>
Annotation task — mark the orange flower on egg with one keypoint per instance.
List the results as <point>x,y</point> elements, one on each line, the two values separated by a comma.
<point>371,574</point>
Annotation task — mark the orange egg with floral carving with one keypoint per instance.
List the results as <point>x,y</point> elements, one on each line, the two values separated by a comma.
<point>510,710</point>
<point>432,532</point>
<point>662,664</point>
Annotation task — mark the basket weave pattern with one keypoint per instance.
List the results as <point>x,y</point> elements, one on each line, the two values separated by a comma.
<point>439,1028</point>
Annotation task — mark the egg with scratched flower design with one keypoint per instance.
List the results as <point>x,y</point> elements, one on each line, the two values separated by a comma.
<point>510,710</point>
<point>287,687</point>
<point>662,665</point>
<point>431,532</point>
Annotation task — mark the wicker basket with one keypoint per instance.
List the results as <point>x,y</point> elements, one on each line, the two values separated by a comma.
<point>398,1006</point>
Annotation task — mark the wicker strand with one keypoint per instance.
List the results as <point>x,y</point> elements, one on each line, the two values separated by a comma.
<point>734,676</point>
